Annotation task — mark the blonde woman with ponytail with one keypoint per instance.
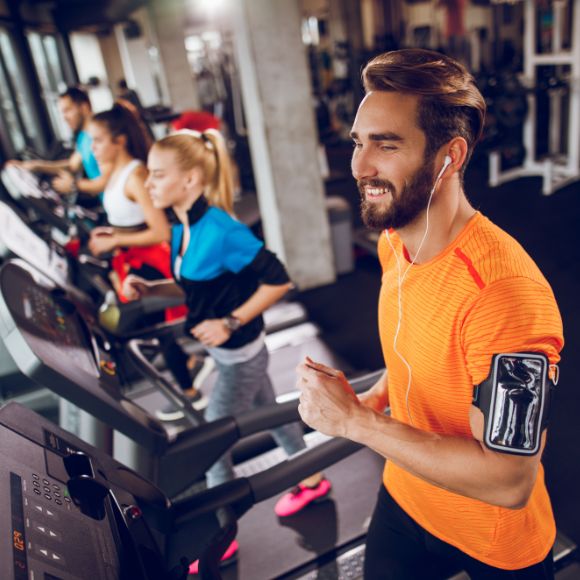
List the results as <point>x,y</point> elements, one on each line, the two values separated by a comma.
<point>229,279</point>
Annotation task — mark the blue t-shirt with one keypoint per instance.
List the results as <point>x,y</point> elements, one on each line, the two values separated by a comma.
<point>83,146</point>
<point>90,165</point>
<point>223,265</point>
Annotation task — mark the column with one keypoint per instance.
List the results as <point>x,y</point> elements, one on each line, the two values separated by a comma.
<point>277,98</point>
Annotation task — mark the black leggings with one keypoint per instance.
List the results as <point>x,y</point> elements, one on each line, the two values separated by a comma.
<point>398,548</point>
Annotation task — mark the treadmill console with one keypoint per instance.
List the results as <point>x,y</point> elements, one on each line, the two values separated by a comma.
<point>54,529</point>
<point>47,335</point>
<point>21,241</point>
<point>21,183</point>
<point>52,325</point>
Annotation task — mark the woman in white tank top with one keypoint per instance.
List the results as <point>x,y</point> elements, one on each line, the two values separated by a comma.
<point>119,139</point>
<point>138,232</point>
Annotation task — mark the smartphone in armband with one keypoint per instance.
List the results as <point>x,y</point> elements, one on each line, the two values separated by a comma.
<point>515,402</point>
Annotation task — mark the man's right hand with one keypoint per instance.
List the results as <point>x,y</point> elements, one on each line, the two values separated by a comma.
<point>135,287</point>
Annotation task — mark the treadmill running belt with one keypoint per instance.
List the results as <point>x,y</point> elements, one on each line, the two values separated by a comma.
<point>271,547</point>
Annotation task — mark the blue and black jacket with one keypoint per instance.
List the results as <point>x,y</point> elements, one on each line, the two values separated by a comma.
<point>223,265</point>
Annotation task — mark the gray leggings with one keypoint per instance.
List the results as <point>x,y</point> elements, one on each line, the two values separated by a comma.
<point>239,388</point>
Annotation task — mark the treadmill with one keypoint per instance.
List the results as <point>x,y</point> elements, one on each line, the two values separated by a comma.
<point>56,490</point>
<point>52,344</point>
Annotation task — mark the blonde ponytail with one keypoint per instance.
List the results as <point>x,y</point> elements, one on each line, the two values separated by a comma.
<point>207,151</point>
<point>220,191</point>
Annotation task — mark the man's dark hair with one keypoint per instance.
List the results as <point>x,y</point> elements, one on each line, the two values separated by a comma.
<point>77,95</point>
<point>450,104</point>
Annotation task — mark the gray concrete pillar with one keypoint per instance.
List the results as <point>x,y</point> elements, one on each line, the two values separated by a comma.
<point>168,19</point>
<point>277,98</point>
<point>112,60</point>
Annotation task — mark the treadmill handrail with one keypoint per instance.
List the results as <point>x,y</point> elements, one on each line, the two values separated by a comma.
<point>217,437</point>
<point>285,474</point>
<point>149,372</point>
<point>160,330</point>
<point>242,493</point>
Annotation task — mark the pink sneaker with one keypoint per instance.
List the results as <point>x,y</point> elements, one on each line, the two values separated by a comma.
<point>299,497</point>
<point>228,558</point>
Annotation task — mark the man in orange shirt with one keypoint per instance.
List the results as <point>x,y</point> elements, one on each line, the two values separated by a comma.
<point>471,335</point>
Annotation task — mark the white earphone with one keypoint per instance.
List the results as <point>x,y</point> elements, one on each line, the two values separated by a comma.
<point>446,162</point>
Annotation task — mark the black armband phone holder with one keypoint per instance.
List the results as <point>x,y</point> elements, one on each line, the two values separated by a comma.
<point>515,400</point>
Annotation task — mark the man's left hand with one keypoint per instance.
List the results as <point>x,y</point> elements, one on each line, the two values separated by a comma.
<point>211,332</point>
<point>327,401</point>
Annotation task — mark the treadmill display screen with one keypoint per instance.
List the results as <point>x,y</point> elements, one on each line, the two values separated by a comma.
<point>42,314</point>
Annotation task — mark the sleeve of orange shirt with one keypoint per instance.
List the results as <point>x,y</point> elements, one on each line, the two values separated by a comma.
<point>512,315</point>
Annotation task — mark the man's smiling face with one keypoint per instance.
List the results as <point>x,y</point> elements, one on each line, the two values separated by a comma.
<point>393,177</point>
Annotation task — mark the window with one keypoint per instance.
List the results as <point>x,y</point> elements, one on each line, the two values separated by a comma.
<point>14,131</point>
<point>48,67</point>
<point>16,102</point>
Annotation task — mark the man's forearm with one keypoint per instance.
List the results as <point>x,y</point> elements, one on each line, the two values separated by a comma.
<point>458,464</point>
<point>43,166</point>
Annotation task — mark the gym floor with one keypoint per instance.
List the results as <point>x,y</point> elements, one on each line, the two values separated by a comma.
<point>548,227</point>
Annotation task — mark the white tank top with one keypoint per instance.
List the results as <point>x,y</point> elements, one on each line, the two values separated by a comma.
<point>121,211</point>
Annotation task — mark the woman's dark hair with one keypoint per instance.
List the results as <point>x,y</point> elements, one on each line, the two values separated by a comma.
<point>124,120</point>
<point>450,104</point>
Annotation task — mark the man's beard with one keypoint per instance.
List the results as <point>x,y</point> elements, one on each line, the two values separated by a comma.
<point>405,205</point>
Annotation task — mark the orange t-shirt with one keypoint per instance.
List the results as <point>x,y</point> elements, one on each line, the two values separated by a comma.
<point>482,295</point>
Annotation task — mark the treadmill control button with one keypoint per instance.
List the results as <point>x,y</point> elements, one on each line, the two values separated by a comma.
<point>58,502</point>
<point>36,491</point>
<point>35,477</point>
<point>48,497</point>
<point>36,484</point>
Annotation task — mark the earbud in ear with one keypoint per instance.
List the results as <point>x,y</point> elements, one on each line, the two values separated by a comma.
<point>446,162</point>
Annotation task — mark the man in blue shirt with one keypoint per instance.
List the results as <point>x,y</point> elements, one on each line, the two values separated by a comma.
<point>76,110</point>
